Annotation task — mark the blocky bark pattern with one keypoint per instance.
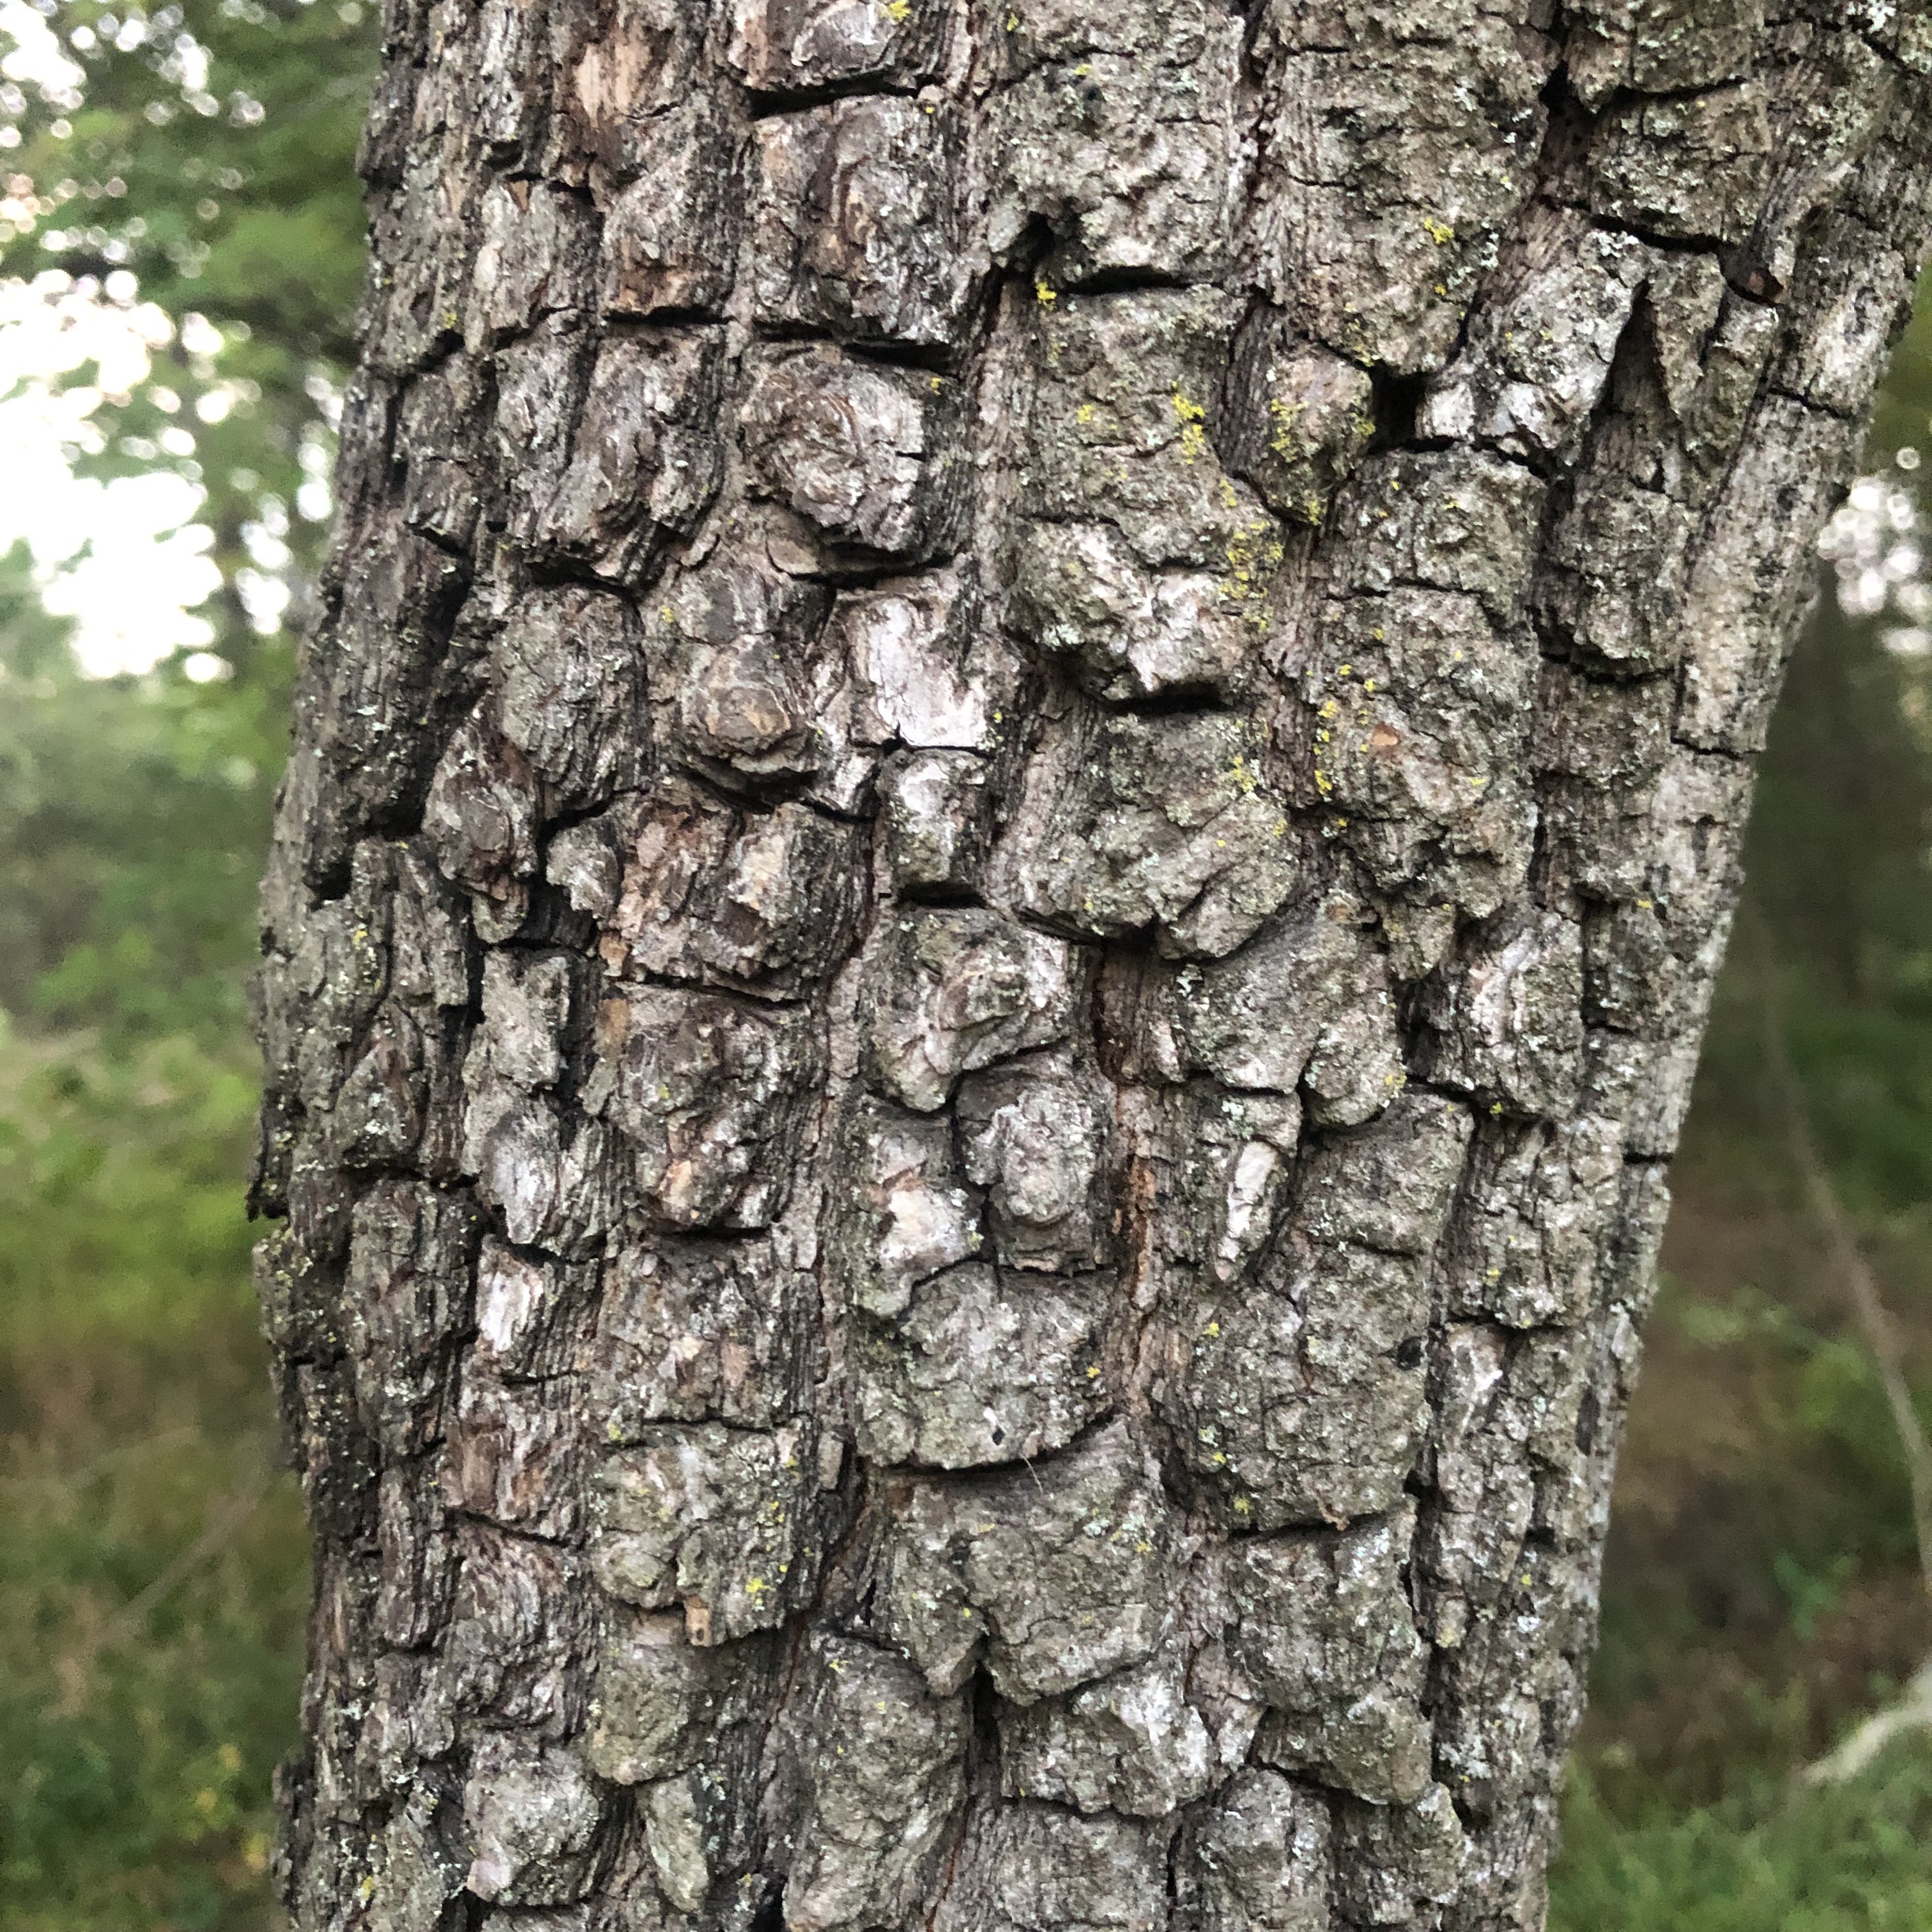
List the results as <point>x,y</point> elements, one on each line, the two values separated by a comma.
<point>1005,847</point>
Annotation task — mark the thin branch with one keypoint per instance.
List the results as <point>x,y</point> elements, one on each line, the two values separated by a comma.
<point>95,1468</point>
<point>74,1667</point>
<point>1881,1335</point>
<point>1913,1711</point>
<point>240,1507</point>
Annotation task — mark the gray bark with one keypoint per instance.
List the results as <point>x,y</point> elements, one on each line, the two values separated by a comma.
<point>1004,852</point>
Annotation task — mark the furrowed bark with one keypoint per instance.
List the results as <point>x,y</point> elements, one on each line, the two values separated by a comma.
<point>1005,847</point>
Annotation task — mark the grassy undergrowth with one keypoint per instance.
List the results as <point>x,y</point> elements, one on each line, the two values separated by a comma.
<point>153,1568</point>
<point>1854,1859</point>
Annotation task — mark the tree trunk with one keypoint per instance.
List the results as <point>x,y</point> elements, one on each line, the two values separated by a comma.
<point>1006,845</point>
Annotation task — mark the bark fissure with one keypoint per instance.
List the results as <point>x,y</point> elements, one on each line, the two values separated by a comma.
<point>1008,831</point>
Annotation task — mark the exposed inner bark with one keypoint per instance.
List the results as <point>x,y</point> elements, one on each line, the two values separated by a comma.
<point>1004,853</point>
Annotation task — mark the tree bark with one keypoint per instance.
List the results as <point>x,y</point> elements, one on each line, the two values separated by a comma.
<point>1007,840</point>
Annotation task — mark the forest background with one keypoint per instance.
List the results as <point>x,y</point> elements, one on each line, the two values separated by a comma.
<point>179,183</point>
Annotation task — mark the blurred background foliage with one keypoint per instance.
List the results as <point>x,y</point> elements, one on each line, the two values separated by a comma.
<point>191,165</point>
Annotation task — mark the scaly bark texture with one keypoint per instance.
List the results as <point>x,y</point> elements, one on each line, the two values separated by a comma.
<point>1005,848</point>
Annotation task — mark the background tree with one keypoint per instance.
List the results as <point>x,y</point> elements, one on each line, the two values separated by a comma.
<point>1006,841</point>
